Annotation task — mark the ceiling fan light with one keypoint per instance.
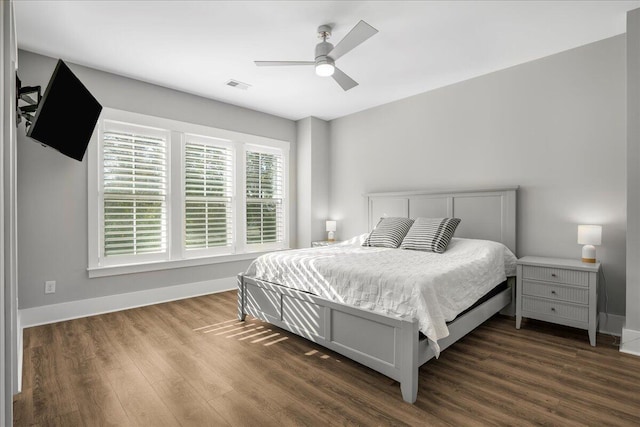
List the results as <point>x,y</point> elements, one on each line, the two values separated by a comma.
<point>325,69</point>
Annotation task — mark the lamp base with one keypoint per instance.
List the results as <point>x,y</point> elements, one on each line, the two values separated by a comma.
<point>589,254</point>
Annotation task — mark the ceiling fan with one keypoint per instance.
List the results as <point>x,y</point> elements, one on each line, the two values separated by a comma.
<point>327,54</point>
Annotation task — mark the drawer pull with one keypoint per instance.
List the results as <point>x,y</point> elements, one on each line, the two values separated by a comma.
<point>553,292</point>
<point>553,309</point>
<point>553,275</point>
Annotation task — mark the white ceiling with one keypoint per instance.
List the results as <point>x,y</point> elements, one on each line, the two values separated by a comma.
<point>196,46</point>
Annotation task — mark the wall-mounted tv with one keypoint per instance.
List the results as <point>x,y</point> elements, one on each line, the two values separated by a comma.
<point>66,115</point>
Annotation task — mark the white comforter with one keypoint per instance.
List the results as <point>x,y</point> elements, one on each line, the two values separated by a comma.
<point>433,288</point>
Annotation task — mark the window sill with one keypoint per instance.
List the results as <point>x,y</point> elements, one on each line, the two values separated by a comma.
<point>114,270</point>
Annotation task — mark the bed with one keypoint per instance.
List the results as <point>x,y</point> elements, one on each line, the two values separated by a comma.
<point>391,341</point>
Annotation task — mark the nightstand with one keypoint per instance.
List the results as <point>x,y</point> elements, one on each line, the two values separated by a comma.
<point>320,243</point>
<point>562,291</point>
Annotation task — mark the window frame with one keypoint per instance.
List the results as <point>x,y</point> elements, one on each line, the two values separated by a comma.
<point>120,126</point>
<point>177,255</point>
<point>256,247</point>
<point>216,142</point>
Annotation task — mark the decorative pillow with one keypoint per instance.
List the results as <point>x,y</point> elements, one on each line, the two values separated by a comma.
<point>389,232</point>
<point>430,234</point>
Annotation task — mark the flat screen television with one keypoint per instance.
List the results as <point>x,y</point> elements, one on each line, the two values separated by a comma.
<point>66,115</point>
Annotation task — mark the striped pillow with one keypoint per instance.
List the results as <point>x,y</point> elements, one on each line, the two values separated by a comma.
<point>389,232</point>
<point>430,234</point>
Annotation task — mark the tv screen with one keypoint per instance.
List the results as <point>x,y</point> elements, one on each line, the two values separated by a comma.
<point>66,115</point>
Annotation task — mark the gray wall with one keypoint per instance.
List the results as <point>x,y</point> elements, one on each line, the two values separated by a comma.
<point>313,179</point>
<point>52,189</point>
<point>555,126</point>
<point>633,171</point>
<point>303,161</point>
<point>320,182</point>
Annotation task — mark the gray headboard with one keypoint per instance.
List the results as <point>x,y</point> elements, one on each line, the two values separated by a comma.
<point>486,213</point>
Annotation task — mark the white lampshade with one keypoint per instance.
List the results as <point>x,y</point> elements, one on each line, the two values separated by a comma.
<point>331,225</point>
<point>589,234</point>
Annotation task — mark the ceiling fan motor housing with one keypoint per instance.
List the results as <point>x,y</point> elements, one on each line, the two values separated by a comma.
<point>322,53</point>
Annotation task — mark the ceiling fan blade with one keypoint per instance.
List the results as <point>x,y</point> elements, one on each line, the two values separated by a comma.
<point>343,80</point>
<point>358,34</point>
<point>278,63</point>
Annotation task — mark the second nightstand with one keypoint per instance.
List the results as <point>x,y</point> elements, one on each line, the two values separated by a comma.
<point>320,243</point>
<point>562,291</point>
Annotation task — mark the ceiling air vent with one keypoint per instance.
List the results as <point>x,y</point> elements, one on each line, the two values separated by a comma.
<point>238,85</point>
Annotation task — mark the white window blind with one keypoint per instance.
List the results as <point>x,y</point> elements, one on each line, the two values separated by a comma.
<point>208,195</point>
<point>134,191</point>
<point>264,197</point>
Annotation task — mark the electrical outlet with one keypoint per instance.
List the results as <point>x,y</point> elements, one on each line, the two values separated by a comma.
<point>50,287</point>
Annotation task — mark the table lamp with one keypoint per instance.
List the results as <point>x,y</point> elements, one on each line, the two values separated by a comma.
<point>589,235</point>
<point>331,228</point>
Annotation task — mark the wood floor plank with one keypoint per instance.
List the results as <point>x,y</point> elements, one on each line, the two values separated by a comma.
<point>240,412</point>
<point>109,353</point>
<point>618,367</point>
<point>184,359</point>
<point>42,335</point>
<point>344,411</point>
<point>142,352</point>
<point>23,411</point>
<point>472,401</point>
<point>331,375</point>
<point>27,381</point>
<point>51,394</point>
<point>72,343</point>
<point>97,402</point>
<point>138,399</point>
<point>324,389</point>
<point>186,405</point>
<point>192,363</point>
<point>442,404</point>
<point>322,385</point>
<point>200,309</point>
<point>557,385</point>
<point>511,400</point>
<point>288,395</point>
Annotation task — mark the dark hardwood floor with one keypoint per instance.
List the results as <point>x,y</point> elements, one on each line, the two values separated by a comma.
<point>191,363</point>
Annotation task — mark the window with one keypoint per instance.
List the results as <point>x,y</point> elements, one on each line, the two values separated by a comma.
<point>208,169</point>
<point>165,194</point>
<point>264,197</point>
<point>134,192</point>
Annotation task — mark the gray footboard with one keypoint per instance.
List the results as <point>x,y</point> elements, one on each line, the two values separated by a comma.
<point>386,344</point>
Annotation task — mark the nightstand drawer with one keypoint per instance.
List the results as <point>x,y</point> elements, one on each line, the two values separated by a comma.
<point>579,313</point>
<point>556,275</point>
<point>556,292</point>
<point>322,243</point>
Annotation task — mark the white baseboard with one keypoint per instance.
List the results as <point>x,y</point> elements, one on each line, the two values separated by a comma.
<point>630,342</point>
<point>20,351</point>
<point>90,307</point>
<point>610,324</point>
